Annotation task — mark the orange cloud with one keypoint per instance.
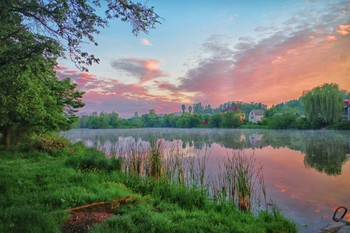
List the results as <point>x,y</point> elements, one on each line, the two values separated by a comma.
<point>343,29</point>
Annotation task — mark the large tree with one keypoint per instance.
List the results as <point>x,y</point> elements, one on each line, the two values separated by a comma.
<point>33,34</point>
<point>323,103</point>
<point>70,23</point>
<point>32,99</point>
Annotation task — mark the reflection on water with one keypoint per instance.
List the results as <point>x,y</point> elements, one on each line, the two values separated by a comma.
<point>307,173</point>
<point>325,155</point>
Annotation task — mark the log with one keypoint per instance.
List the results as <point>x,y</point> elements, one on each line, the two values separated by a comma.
<point>121,200</point>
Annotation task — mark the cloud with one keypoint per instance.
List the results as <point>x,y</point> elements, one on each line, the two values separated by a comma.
<point>111,95</point>
<point>279,67</point>
<point>143,70</point>
<point>343,29</point>
<point>83,79</point>
<point>145,42</point>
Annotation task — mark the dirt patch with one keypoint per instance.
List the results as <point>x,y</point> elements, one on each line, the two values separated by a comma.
<point>81,222</point>
<point>82,218</point>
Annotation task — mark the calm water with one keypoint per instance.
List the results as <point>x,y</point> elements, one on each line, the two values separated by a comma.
<point>307,173</point>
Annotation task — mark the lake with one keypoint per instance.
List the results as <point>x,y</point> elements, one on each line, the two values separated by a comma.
<point>306,173</point>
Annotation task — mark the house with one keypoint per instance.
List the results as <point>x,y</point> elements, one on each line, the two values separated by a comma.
<point>346,112</point>
<point>256,115</point>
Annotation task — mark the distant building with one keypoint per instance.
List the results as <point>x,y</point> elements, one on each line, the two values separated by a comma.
<point>346,112</point>
<point>256,115</point>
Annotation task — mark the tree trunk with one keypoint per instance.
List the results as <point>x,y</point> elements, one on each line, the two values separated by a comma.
<point>7,136</point>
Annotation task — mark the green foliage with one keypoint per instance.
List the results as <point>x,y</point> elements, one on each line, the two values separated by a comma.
<point>94,160</point>
<point>323,102</point>
<point>183,108</point>
<point>230,119</point>
<point>47,143</point>
<point>342,124</point>
<point>32,99</point>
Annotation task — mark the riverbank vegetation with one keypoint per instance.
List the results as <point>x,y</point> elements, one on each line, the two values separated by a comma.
<point>321,107</point>
<point>42,181</point>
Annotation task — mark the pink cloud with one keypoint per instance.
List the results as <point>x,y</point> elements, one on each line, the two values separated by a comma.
<point>274,70</point>
<point>83,79</point>
<point>111,95</point>
<point>142,69</point>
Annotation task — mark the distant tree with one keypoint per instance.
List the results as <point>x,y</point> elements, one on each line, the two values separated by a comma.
<point>194,120</point>
<point>190,109</point>
<point>323,102</point>
<point>198,108</point>
<point>183,107</point>
<point>208,109</point>
<point>230,120</point>
<point>151,119</point>
<point>113,120</point>
<point>215,120</point>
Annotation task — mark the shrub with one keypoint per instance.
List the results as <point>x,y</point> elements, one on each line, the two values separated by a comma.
<point>92,159</point>
<point>54,145</point>
<point>341,124</point>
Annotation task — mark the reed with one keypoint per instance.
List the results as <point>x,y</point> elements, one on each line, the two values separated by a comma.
<point>239,181</point>
<point>244,181</point>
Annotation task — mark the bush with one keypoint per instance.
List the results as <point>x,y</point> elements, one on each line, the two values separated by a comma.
<point>92,159</point>
<point>53,145</point>
<point>342,124</point>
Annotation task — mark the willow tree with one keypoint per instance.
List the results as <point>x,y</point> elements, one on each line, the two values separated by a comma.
<point>323,102</point>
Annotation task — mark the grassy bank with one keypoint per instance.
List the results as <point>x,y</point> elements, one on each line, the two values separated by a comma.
<point>37,186</point>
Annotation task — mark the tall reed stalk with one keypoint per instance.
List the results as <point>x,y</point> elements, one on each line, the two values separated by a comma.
<point>244,181</point>
<point>239,181</point>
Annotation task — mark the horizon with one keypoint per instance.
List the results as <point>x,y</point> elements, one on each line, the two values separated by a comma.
<point>249,51</point>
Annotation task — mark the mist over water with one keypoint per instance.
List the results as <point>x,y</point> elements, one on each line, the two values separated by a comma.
<point>306,173</point>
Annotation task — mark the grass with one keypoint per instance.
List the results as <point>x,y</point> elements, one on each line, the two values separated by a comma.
<point>36,187</point>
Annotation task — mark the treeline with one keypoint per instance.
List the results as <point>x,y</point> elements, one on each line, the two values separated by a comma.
<point>207,109</point>
<point>227,115</point>
<point>321,107</point>
<point>112,120</point>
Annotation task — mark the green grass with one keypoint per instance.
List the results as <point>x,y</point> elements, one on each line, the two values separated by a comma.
<point>35,188</point>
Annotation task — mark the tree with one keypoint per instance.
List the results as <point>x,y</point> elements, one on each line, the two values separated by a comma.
<point>324,103</point>
<point>215,120</point>
<point>183,107</point>
<point>198,108</point>
<point>230,120</point>
<point>190,109</point>
<point>33,100</point>
<point>69,23</point>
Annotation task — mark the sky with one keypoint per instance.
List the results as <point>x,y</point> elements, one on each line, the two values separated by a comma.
<point>213,52</point>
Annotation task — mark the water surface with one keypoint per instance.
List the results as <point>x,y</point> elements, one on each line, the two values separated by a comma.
<point>307,173</point>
